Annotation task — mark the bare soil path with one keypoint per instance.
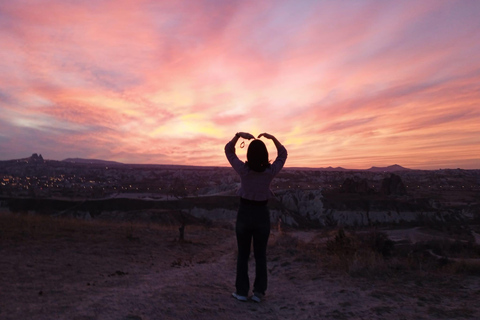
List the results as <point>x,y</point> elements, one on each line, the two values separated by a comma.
<point>126,272</point>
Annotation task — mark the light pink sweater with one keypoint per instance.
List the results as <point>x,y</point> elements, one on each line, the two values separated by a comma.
<point>255,185</point>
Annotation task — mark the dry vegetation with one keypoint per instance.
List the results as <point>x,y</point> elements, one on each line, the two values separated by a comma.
<point>72,269</point>
<point>372,253</point>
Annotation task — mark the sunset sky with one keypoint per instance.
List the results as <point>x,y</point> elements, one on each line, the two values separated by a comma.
<point>340,83</point>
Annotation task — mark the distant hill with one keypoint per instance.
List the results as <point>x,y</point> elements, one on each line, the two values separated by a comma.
<point>393,168</point>
<point>34,158</point>
<point>317,169</point>
<point>330,168</point>
<point>91,161</point>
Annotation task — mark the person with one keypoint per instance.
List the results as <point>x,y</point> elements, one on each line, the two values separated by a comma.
<point>253,216</point>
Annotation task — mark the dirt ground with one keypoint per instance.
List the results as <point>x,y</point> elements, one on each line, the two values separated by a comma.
<point>92,270</point>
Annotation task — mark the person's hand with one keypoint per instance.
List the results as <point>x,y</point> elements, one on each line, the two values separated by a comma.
<point>246,135</point>
<point>266,135</point>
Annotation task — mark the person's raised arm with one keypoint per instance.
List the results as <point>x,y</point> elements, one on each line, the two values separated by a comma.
<point>230,149</point>
<point>238,135</point>
<point>271,137</point>
<point>282,154</point>
<point>244,135</point>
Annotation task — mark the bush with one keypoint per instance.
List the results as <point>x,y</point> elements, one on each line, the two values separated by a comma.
<point>378,242</point>
<point>359,254</point>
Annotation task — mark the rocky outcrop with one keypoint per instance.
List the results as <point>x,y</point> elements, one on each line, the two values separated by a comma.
<point>35,158</point>
<point>306,203</point>
<point>310,208</point>
<point>393,185</point>
<point>356,185</point>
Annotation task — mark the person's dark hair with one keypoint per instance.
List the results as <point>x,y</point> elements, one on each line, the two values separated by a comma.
<point>257,156</point>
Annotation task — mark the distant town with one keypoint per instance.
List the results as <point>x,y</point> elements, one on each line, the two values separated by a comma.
<point>305,197</point>
<point>80,178</point>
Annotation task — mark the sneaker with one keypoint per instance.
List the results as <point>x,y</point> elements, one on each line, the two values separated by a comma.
<point>239,297</point>
<point>257,297</point>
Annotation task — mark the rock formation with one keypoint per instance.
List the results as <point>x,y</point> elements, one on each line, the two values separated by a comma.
<point>355,185</point>
<point>393,185</point>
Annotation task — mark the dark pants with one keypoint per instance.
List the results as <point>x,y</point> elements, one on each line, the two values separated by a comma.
<point>253,222</point>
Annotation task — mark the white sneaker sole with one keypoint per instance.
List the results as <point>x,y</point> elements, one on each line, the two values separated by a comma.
<point>239,297</point>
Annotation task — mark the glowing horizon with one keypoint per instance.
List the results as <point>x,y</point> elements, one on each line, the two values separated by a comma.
<point>371,83</point>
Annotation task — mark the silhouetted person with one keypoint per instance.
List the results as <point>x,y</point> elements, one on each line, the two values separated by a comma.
<point>253,217</point>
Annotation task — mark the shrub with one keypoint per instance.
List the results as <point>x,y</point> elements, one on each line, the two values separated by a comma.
<point>378,242</point>
<point>359,254</point>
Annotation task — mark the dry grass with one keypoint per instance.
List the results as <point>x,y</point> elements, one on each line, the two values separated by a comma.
<point>30,227</point>
<point>367,254</point>
<point>358,255</point>
<point>372,254</point>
